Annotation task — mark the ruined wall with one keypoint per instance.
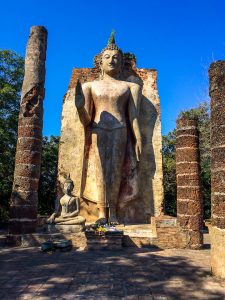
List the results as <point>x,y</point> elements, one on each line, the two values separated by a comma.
<point>189,195</point>
<point>217,231</point>
<point>71,149</point>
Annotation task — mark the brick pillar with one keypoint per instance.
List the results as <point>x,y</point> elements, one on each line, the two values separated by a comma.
<point>24,198</point>
<point>189,196</point>
<point>217,231</point>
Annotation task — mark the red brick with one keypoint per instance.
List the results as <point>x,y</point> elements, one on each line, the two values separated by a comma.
<point>28,157</point>
<point>188,193</point>
<point>25,184</point>
<point>187,141</point>
<point>187,168</point>
<point>187,155</point>
<point>30,131</point>
<point>188,180</point>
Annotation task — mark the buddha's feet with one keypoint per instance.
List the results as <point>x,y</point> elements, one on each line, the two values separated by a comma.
<point>102,213</point>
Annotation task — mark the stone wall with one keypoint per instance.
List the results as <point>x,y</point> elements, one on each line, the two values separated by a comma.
<point>217,232</point>
<point>169,234</point>
<point>149,175</point>
<point>189,196</point>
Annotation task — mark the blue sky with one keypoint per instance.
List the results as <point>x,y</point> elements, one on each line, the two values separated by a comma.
<point>178,38</point>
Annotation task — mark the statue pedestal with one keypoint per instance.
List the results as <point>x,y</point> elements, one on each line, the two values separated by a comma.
<point>111,240</point>
<point>53,228</point>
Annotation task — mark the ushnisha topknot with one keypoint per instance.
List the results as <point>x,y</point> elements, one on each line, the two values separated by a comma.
<point>68,179</point>
<point>111,45</point>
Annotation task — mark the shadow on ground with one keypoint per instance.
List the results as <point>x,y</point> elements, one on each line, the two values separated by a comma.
<point>126,274</point>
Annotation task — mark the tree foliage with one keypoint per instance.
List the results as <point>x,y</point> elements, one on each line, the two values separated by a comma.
<point>11,78</point>
<point>169,172</point>
<point>48,178</point>
<point>201,113</point>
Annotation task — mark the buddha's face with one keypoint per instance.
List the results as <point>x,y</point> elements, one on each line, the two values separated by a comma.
<point>111,62</point>
<point>67,187</point>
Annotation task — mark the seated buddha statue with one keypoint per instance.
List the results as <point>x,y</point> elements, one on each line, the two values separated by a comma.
<point>67,212</point>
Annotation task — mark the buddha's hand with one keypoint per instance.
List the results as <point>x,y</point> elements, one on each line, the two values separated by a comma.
<point>51,219</point>
<point>79,98</point>
<point>138,149</point>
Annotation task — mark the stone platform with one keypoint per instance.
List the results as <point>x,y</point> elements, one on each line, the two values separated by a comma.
<point>53,228</point>
<point>138,235</point>
<point>133,236</point>
<point>109,240</point>
<point>141,235</point>
<point>164,233</point>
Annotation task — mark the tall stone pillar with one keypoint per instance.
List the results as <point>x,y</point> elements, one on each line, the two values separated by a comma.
<point>189,196</point>
<point>217,231</point>
<point>24,198</point>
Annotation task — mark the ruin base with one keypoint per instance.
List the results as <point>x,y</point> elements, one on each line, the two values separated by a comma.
<point>104,240</point>
<point>164,232</point>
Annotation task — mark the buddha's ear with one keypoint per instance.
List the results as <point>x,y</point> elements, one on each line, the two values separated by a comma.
<point>102,71</point>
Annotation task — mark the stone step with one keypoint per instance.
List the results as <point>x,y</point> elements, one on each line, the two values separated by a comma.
<point>141,231</point>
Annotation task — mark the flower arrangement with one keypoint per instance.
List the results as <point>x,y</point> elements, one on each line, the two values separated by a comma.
<point>99,229</point>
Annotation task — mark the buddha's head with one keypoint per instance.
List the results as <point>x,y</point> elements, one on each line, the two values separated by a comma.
<point>111,62</point>
<point>111,58</point>
<point>68,185</point>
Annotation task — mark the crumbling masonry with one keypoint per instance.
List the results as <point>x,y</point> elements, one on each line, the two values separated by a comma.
<point>189,196</point>
<point>217,231</point>
<point>24,198</point>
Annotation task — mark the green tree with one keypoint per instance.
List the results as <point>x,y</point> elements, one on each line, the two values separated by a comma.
<point>169,172</point>
<point>48,178</point>
<point>11,78</point>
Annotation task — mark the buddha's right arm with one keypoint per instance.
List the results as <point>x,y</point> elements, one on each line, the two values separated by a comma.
<point>82,102</point>
<point>84,116</point>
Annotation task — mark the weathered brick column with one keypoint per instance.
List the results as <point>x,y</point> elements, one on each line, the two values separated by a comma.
<point>189,196</point>
<point>24,198</point>
<point>217,231</point>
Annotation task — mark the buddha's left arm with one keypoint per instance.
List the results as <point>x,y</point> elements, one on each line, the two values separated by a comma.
<point>133,107</point>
